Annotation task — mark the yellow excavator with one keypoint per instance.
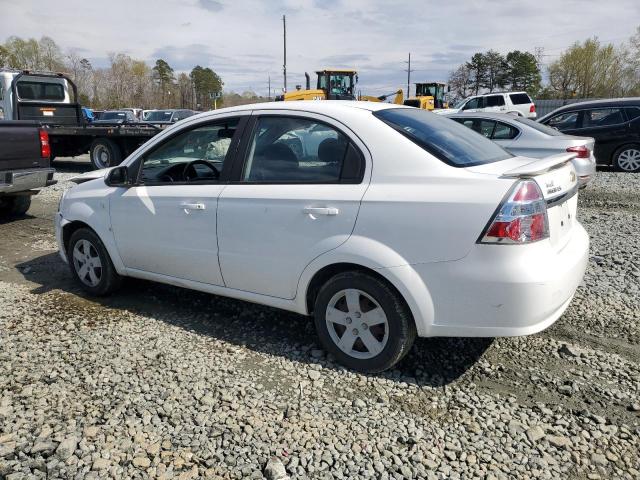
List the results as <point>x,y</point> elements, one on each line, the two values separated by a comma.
<point>334,84</point>
<point>429,96</point>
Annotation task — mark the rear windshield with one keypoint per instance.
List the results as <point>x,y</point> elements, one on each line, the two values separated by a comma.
<point>40,91</point>
<point>519,98</point>
<point>159,116</point>
<point>444,138</point>
<point>539,126</point>
<point>113,116</point>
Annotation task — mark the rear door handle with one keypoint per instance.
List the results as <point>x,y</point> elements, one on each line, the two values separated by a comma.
<point>321,211</point>
<point>192,206</point>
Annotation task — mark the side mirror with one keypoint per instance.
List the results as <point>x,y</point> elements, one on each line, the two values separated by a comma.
<point>118,177</point>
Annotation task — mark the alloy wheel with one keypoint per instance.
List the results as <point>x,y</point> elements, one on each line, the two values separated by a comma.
<point>87,263</point>
<point>357,324</point>
<point>629,160</point>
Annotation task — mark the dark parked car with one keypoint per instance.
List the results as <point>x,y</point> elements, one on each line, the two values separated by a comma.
<point>615,125</point>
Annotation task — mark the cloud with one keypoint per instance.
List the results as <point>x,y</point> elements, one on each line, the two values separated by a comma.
<point>211,5</point>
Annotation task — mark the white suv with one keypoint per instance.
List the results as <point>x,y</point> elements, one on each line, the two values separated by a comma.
<point>515,103</point>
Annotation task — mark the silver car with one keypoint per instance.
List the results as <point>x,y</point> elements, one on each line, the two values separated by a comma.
<point>521,136</point>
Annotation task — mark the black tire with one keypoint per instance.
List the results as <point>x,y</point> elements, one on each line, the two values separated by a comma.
<point>15,206</point>
<point>105,153</point>
<point>400,324</point>
<point>619,155</point>
<point>109,279</point>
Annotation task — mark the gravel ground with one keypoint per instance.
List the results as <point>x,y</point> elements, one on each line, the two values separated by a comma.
<point>167,383</point>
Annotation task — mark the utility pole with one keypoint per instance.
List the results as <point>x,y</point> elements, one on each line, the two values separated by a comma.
<point>284,65</point>
<point>269,87</point>
<point>408,70</point>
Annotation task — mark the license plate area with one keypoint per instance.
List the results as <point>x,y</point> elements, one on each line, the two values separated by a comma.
<point>562,218</point>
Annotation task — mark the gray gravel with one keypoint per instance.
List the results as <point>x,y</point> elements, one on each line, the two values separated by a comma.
<point>167,383</point>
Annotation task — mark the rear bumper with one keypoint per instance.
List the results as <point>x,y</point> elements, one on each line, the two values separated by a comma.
<point>14,181</point>
<point>504,290</point>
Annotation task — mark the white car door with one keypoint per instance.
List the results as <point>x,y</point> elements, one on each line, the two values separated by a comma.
<point>296,197</point>
<point>473,105</point>
<point>166,223</point>
<point>494,103</point>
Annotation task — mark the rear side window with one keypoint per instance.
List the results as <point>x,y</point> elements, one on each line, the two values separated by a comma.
<point>520,98</point>
<point>495,101</point>
<point>442,137</point>
<point>40,91</point>
<point>504,132</point>
<point>301,150</point>
<point>632,112</point>
<point>601,117</point>
<point>538,126</point>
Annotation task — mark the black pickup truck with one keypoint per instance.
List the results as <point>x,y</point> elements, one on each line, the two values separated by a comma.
<point>24,167</point>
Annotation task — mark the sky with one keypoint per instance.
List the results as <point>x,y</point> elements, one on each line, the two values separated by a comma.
<point>242,39</point>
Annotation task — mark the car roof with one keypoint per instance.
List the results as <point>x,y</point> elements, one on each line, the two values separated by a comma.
<point>600,103</point>
<point>316,106</point>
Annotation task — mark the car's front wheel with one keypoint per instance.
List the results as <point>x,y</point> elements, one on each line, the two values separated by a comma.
<point>363,322</point>
<point>627,158</point>
<point>90,263</point>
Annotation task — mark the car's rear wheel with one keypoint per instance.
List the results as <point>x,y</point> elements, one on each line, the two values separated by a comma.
<point>104,153</point>
<point>90,263</point>
<point>15,206</point>
<point>363,322</point>
<point>627,158</point>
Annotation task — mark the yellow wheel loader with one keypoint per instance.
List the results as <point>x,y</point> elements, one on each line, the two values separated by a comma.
<point>334,84</point>
<point>429,96</point>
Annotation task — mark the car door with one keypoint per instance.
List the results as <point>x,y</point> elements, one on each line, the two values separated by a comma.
<point>295,196</point>
<point>494,103</point>
<point>608,126</point>
<point>166,223</point>
<point>473,105</point>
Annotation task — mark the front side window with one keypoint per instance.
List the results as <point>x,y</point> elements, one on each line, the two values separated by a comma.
<point>442,137</point>
<point>564,121</point>
<point>495,101</point>
<point>632,112</point>
<point>195,155</point>
<point>40,91</point>
<point>601,117</point>
<point>300,150</point>
<point>473,103</point>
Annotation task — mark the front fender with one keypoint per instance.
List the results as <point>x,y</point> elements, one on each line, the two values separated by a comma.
<point>376,256</point>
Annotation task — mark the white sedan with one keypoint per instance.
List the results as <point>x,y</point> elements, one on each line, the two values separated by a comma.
<point>383,222</point>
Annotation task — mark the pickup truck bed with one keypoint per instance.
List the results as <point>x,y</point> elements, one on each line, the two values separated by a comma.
<point>23,168</point>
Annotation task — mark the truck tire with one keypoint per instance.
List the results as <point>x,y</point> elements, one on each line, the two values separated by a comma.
<point>105,153</point>
<point>15,206</point>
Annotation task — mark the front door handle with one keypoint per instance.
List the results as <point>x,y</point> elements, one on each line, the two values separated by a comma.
<point>192,206</point>
<point>321,211</point>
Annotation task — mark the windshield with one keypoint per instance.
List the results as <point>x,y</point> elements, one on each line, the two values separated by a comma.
<point>444,138</point>
<point>113,116</point>
<point>539,126</point>
<point>158,116</point>
<point>341,84</point>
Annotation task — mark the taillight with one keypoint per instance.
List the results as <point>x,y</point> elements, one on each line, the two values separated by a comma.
<point>45,148</point>
<point>522,218</point>
<point>582,151</point>
<point>532,108</point>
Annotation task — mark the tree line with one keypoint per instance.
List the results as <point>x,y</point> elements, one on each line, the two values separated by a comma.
<point>588,69</point>
<point>126,82</point>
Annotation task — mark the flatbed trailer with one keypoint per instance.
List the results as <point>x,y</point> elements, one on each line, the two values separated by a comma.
<point>69,133</point>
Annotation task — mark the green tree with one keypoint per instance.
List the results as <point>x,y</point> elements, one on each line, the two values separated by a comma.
<point>51,58</point>
<point>164,76</point>
<point>495,70</point>
<point>522,72</point>
<point>477,72</point>
<point>206,82</point>
<point>5,57</point>
<point>24,54</point>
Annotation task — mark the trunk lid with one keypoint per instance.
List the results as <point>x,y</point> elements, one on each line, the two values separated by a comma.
<point>20,146</point>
